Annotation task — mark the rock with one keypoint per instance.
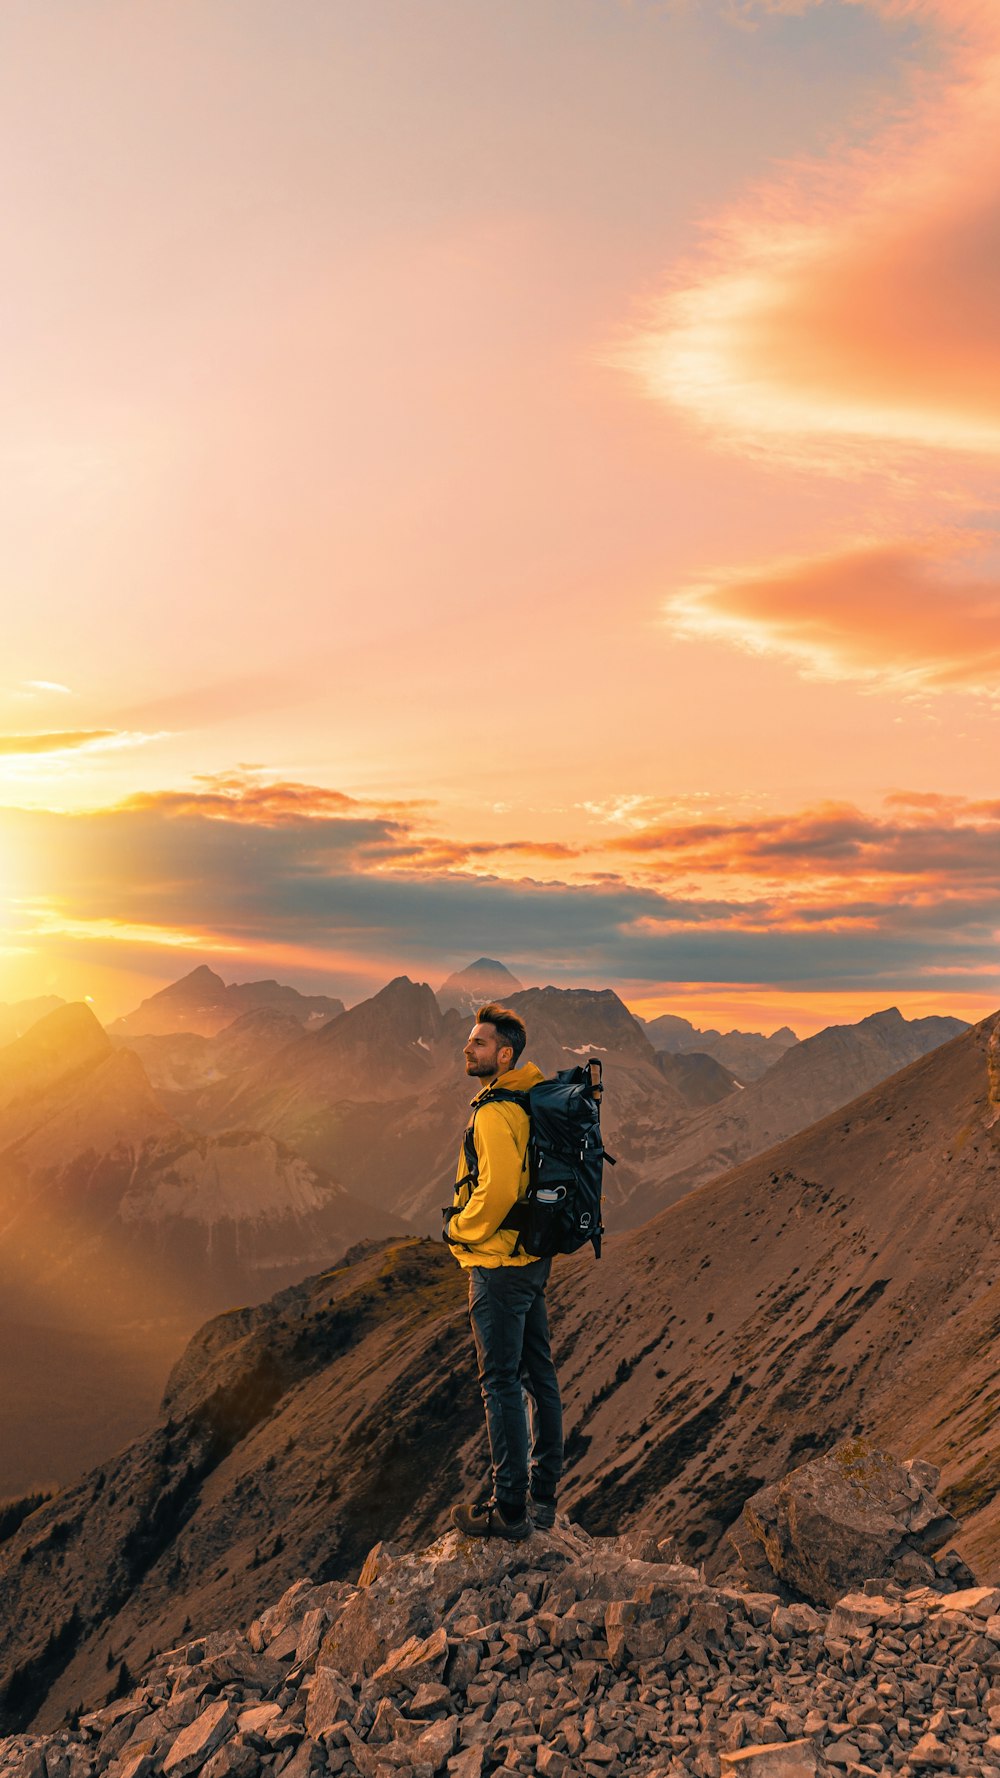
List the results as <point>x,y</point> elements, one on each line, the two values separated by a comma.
<point>782,1759</point>
<point>329,1698</point>
<point>199,1739</point>
<point>313,1626</point>
<point>258,1718</point>
<point>232,1761</point>
<point>380,1557</point>
<point>952,1568</point>
<point>550,1763</point>
<point>412,1664</point>
<point>302,1762</point>
<point>139,1765</point>
<point>640,1627</point>
<point>859,1612</point>
<point>930,1754</point>
<point>468,1763</point>
<point>850,1514</point>
<point>600,1753</point>
<point>437,1743</point>
<point>463,1666</point>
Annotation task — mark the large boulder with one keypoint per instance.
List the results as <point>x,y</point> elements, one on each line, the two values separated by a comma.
<point>852,1515</point>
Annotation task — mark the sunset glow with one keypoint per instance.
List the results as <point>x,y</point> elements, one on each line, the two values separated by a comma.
<point>509,481</point>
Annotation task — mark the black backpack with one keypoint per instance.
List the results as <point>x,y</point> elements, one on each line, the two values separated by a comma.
<point>561,1209</point>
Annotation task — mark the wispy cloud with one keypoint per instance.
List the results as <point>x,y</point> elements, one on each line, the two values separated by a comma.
<point>901,617</point>
<point>70,741</point>
<point>849,308</point>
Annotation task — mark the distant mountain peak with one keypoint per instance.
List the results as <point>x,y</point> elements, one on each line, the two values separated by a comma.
<point>486,979</point>
<point>402,987</point>
<point>200,977</point>
<point>67,1027</point>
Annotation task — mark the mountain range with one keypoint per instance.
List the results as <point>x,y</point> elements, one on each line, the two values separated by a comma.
<point>847,1282</point>
<point>809,1080</point>
<point>748,1054</point>
<point>202,1002</point>
<point>149,1179</point>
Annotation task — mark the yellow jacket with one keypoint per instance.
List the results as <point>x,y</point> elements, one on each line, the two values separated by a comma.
<point>501,1139</point>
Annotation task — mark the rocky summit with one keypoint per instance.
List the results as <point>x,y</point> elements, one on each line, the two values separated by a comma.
<point>573,1656</point>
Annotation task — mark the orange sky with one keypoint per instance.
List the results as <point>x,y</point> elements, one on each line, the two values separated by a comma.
<point>490,478</point>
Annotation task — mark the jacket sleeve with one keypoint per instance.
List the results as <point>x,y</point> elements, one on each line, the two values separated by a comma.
<point>501,1164</point>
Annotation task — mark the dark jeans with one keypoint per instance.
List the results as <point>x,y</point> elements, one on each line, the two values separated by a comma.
<point>511,1330</point>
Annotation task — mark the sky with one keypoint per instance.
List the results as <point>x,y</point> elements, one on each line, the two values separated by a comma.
<point>491,478</point>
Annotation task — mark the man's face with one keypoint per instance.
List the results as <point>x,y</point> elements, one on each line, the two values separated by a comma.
<point>484,1054</point>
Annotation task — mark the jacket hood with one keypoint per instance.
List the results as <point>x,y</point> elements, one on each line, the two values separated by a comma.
<point>518,1079</point>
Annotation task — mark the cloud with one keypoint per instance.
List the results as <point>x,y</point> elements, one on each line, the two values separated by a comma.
<point>244,798</point>
<point>898,616</point>
<point>849,861</point>
<point>322,887</point>
<point>68,740</point>
<point>849,308</point>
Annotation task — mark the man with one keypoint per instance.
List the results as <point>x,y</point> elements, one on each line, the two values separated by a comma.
<point>506,1290</point>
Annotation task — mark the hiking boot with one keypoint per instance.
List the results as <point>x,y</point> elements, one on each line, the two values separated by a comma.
<point>484,1518</point>
<point>543,1513</point>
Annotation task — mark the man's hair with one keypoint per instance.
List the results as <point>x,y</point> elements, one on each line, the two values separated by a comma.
<point>509,1028</point>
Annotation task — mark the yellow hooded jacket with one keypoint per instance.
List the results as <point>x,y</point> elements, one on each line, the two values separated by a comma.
<point>501,1139</point>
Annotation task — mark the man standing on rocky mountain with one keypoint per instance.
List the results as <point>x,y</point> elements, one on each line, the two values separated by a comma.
<point>506,1289</point>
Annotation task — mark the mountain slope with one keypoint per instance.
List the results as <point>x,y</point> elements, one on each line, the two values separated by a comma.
<point>111,1211</point>
<point>182,1064</point>
<point>810,1080</point>
<point>848,1282</point>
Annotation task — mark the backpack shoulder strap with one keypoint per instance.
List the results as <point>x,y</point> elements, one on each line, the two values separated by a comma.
<point>495,1096</point>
